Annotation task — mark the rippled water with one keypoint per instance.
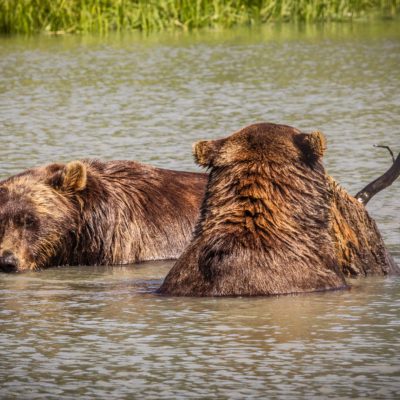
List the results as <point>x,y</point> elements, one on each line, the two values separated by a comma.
<point>101,332</point>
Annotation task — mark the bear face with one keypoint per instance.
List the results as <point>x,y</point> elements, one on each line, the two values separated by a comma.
<point>264,223</point>
<point>37,215</point>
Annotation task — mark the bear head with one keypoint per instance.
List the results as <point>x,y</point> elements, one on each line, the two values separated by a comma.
<point>260,143</point>
<point>39,209</point>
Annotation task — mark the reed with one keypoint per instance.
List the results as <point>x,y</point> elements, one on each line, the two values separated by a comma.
<point>31,16</point>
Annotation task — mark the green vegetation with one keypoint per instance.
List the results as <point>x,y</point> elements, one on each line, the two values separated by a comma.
<point>30,16</point>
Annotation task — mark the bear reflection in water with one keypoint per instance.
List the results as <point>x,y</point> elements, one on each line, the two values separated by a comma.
<point>265,224</point>
<point>90,213</point>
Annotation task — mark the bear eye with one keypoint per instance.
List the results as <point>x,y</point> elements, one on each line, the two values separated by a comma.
<point>25,221</point>
<point>29,221</point>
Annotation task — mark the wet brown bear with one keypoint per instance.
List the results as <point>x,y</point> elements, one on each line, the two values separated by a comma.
<point>264,222</point>
<point>91,212</point>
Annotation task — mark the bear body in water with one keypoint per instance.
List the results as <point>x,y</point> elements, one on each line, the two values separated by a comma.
<point>265,224</point>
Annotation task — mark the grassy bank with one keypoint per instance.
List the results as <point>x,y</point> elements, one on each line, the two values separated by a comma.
<point>31,16</point>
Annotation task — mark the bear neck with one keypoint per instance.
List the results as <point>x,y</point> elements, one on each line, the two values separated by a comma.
<point>265,202</point>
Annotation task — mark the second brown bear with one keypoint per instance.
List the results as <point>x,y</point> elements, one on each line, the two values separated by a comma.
<point>264,222</point>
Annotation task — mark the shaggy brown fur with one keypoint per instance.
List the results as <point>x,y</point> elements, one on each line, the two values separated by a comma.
<point>264,227</point>
<point>91,212</point>
<point>358,242</point>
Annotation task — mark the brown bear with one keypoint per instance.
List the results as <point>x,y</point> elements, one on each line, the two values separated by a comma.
<point>264,226</point>
<point>90,212</point>
<point>358,243</point>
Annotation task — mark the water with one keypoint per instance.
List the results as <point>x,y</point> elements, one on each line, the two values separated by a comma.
<point>96,332</point>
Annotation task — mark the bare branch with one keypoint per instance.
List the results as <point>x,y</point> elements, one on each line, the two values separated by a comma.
<point>388,149</point>
<point>385,180</point>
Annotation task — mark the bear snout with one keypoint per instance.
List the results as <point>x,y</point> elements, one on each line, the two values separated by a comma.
<point>8,262</point>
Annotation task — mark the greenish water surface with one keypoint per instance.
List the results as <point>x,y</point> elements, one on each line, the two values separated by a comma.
<point>101,332</point>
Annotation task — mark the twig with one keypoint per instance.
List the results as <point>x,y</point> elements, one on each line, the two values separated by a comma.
<point>388,149</point>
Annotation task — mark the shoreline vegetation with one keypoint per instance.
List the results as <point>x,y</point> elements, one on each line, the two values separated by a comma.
<point>102,16</point>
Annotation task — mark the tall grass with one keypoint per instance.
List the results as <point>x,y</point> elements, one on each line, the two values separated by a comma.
<point>30,16</point>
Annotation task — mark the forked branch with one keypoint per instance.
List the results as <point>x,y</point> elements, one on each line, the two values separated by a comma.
<point>385,180</point>
<point>387,148</point>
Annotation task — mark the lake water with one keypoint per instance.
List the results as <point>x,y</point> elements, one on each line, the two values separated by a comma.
<point>100,332</point>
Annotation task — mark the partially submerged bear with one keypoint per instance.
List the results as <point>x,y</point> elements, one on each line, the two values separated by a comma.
<point>91,212</point>
<point>265,226</point>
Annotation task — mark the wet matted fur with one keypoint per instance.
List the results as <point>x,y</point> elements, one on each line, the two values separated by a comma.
<point>90,212</point>
<point>358,243</point>
<point>264,226</point>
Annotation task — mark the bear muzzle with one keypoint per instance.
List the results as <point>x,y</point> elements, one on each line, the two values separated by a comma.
<point>8,262</point>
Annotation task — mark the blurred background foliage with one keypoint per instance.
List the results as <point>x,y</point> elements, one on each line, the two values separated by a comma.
<point>74,16</point>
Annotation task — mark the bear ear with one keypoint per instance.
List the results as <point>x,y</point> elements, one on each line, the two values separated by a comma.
<point>313,145</point>
<point>71,178</point>
<point>203,153</point>
<point>75,176</point>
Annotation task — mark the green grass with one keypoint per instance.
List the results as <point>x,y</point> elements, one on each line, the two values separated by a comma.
<point>32,16</point>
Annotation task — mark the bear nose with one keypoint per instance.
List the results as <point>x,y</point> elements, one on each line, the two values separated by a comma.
<point>8,262</point>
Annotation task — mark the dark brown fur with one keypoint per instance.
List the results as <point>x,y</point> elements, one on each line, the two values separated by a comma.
<point>359,245</point>
<point>265,221</point>
<point>90,212</point>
